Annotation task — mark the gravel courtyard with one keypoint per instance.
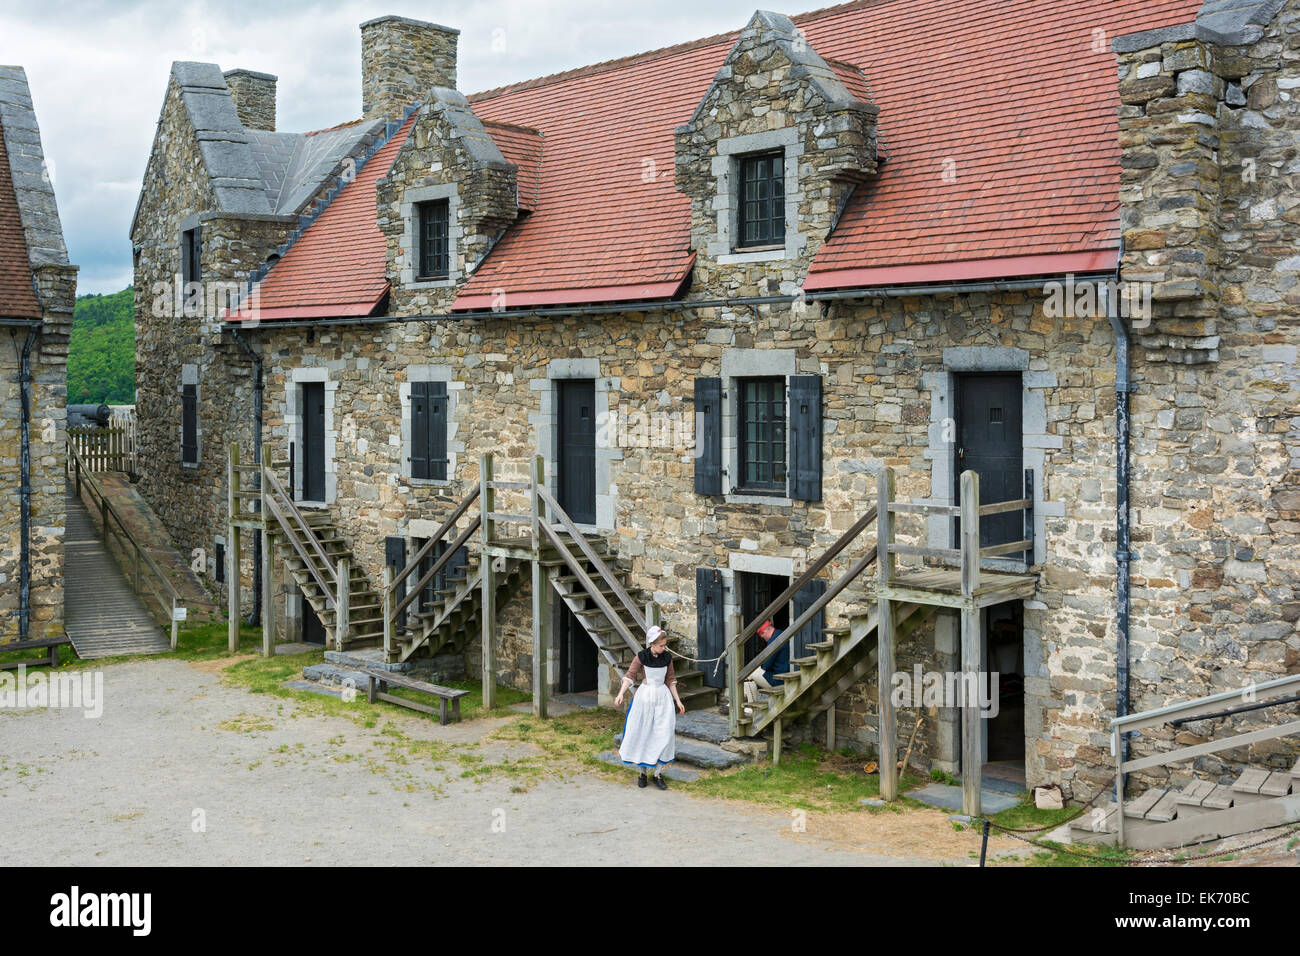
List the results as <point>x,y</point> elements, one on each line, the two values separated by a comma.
<point>183,769</point>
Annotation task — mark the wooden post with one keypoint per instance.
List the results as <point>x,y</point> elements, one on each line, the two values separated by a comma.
<point>268,591</point>
<point>341,605</point>
<point>388,613</point>
<point>1117,744</point>
<point>776,742</point>
<point>972,758</point>
<point>232,548</point>
<point>887,724</point>
<point>830,727</point>
<point>735,693</point>
<point>488,584</point>
<point>268,561</point>
<point>541,598</point>
<point>175,625</point>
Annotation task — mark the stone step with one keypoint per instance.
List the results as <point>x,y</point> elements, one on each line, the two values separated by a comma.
<point>700,753</point>
<point>366,658</point>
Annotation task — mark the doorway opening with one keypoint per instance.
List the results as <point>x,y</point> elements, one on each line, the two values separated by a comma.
<point>757,591</point>
<point>313,631</point>
<point>579,659</point>
<point>990,443</point>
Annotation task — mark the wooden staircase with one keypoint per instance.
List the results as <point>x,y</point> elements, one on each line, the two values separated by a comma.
<point>604,632</point>
<point>364,626</point>
<point>454,616</point>
<point>846,656</point>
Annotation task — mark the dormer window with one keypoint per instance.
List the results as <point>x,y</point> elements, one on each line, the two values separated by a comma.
<point>762,199</point>
<point>434,254</point>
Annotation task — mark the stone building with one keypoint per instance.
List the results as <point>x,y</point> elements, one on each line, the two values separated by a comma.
<point>38,290</point>
<point>719,286</point>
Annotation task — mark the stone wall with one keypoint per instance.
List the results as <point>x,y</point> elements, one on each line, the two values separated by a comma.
<point>254,96</point>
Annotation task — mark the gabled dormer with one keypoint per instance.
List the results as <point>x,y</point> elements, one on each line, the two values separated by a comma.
<point>772,153</point>
<point>448,197</point>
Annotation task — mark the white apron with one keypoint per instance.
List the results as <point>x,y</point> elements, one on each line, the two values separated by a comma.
<point>648,732</point>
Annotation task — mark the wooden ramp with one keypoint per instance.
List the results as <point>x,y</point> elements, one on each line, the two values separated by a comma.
<point>102,614</point>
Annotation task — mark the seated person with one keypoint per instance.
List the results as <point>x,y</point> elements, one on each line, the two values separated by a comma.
<point>778,663</point>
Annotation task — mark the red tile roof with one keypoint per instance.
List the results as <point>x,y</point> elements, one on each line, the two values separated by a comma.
<point>337,268</point>
<point>523,147</point>
<point>1015,100</point>
<point>17,297</point>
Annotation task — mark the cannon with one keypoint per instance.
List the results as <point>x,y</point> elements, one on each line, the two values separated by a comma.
<point>80,416</point>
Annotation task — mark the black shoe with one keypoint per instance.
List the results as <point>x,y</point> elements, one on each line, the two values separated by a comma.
<point>660,782</point>
<point>640,781</point>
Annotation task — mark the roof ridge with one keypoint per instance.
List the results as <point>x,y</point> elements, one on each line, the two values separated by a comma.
<point>336,126</point>
<point>647,56</point>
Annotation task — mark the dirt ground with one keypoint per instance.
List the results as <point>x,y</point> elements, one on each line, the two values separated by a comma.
<point>183,769</point>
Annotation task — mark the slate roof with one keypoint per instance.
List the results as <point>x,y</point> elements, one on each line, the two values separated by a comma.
<point>1017,98</point>
<point>336,268</point>
<point>30,232</point>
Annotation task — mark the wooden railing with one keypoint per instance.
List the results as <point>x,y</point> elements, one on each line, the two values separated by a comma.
<point>147,579</point>
<point>331,577</point>
<point>101,449</point>
<point>1249,698</point>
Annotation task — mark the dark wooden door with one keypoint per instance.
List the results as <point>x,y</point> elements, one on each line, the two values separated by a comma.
<point>577,449</point>
<point>313,631</point>
<point>313,441</point>
<point>578,663</point>
<point>989,444</point>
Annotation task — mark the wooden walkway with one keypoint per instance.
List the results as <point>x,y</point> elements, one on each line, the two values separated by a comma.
<point>102,614</point>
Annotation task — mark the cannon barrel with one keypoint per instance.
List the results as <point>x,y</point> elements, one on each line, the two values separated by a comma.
<point>99,415</point>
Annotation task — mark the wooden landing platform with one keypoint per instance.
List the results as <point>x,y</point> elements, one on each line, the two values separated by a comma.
<point>942,586</point>
<point>102,615</point>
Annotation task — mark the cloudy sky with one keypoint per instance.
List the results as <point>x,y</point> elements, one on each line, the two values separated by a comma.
<point>98,71</point>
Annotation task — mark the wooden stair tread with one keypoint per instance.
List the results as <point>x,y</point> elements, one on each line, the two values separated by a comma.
<point>1194,794</point>
<point>1166,807</point>
<point>1277,785</point>
<point>1138,808</point>
<point>1220,798</point>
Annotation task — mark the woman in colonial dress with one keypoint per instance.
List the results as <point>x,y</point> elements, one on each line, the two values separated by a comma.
<point>648,740</point>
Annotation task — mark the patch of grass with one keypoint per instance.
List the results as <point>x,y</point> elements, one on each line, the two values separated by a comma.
<point>944,777</point>
<point>246,724</point>
<point>806,778</point>
<point>1026,816</point>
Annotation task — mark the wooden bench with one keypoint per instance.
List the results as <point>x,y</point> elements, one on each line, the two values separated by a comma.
<point>51,658</point>
<point>379,681</point>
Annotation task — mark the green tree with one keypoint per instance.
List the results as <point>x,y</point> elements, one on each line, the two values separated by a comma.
<point>101,353</point>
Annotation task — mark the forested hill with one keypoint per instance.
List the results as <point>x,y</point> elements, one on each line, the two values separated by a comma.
<point>101,355</point>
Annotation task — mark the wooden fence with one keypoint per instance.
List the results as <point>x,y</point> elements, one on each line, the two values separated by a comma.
<point>103,449</point>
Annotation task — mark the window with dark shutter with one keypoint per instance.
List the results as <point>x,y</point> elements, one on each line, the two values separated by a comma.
<point>762,199</point>
<point>395,558</point>
<point>429,430</point>
<point>814,630</point>
<point>434,248</point>
<point>191,255</point>
<point>806,437</point>
<point>708,436</point>
<point>190,424</point>
<point>761,421</point>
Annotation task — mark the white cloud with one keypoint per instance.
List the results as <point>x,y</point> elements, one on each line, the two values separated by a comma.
<point>98,72</point>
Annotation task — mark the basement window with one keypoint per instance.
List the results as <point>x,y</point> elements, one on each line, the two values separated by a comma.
<point>432,235</point>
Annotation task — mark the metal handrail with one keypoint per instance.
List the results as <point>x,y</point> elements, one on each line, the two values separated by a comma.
<point>1202,705</point>
<point>83,473</point>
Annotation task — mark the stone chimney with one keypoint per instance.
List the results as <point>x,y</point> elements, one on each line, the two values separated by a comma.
<point>254,96</point>
<point>401,60</point>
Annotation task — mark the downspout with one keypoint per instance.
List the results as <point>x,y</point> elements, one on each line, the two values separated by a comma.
<point>256,616</point>
<point>1123,553</point>
<point>25,489</point>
